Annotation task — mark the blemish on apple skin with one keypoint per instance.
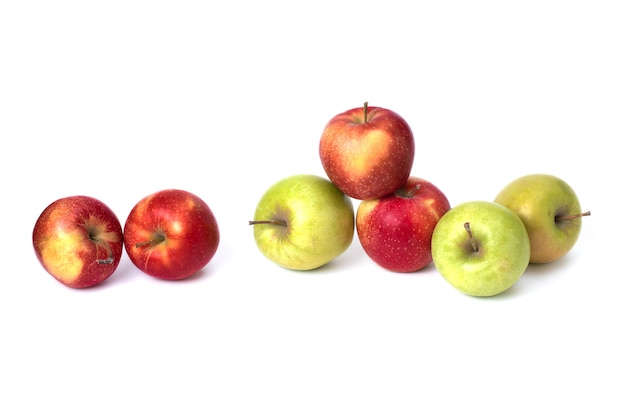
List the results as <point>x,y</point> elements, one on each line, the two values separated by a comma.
<point>430,203</point>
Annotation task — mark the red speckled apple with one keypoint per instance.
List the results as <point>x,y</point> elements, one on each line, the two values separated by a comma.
<point>367,152</point>
<point>78,240</point>
<point>396,230</point>
<point>171,234</point>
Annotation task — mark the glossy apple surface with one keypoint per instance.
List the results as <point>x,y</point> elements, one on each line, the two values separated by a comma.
<point>396,230</point>
<point>367,152</point>
<point>303,222</point>
<point>171,234</point>
<point>550,210</point>
<point>481,248</point>
<point>78,240</point>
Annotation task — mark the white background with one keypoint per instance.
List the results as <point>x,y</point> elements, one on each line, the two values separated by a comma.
<point>119,99</point>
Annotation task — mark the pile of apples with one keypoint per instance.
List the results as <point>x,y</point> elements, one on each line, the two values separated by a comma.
<point>404,222</point>
<point>304,221</point>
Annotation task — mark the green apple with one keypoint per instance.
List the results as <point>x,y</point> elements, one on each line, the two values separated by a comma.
<point>550,210</point>
<point>481,248</point>
<point>303,222</point>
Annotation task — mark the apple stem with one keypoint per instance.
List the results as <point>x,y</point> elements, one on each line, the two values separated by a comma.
<point>412,191</point>
<point>274,222</point>
<point>99,242</point>
<point>572,216</point>
<point>160,238</point>
<point>107,261</point>
<point>471,236</point>
<point>365,111</point>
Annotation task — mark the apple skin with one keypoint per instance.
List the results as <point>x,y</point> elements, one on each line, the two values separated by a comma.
<point>396,230</point>
<point>502,243</point>
<point>540,200</point>
<point>78,240</point>
<point>171,234</point>
<point>303,222</point>
<point>367,152</point>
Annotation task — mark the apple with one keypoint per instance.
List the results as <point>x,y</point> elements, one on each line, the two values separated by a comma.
<point>171,234</point>
<point>396,230</point>
<point>367,152</point>
<point>78,240</point>
<point>550,210</point>
<point>303,222</point>
<point>481,248</point>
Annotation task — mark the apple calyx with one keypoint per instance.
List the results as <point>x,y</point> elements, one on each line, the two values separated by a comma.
<point>471,237</point>
<point>571,216</point>
<point>274,222</point>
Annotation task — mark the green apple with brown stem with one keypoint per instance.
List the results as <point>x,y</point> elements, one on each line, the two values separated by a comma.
<point>550,210</point>
<point>303,222</point>
<point>481,248</point>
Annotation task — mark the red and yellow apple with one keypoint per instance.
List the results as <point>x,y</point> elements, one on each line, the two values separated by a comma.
<point>78,240</point>
<point>396,230</point>
<point>367,152</point>
<point>171,234</point>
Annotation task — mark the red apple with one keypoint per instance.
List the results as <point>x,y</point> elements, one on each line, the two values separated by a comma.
<point>396,230</point>
<point>78,240</point>
<point>171,234</point>
<point>367,152</point>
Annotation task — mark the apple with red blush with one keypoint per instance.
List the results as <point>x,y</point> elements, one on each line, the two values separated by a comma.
<point>171,234</point>
<point>367,152</point>
<point>78,240</point>
<point>396,230</point>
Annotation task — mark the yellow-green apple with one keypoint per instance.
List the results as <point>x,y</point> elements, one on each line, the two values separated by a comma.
<point>303,222</point>
<point>396,230</point>
<point>550,210</point>
<point>367,152</point>
<point>78,240</point>
<point>171,234</point>
<point>481,248</point>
